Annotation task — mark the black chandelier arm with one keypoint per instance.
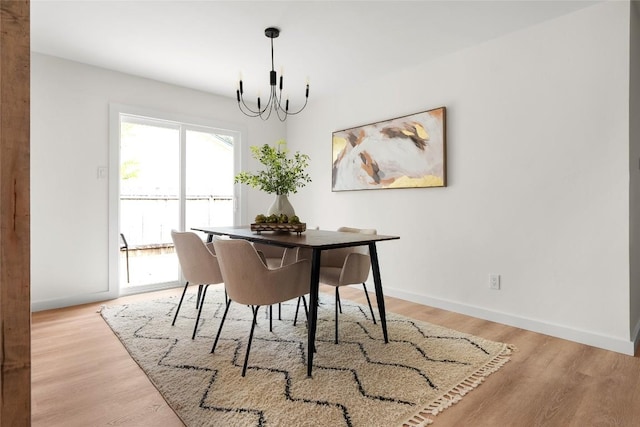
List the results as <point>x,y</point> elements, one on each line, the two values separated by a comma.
<point>248,111</point>
<point>285,109</point>
<point>252,112</point>
<point>273,103</point>
<point>306,98</point>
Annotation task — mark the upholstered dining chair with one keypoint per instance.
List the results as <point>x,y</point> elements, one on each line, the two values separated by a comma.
<point>347,266</point>
<point>274,257</point>
<point>199,266</point>
<point>249,281</point>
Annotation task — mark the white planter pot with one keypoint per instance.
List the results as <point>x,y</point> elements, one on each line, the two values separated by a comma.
<point>281,205</point>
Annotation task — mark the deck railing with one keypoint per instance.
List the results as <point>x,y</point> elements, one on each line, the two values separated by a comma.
<point>147,221</point>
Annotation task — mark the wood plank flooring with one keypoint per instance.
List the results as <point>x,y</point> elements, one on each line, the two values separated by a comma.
<point>82,376</point>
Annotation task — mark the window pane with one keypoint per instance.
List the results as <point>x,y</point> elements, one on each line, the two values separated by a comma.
<point>149,182</point>
<point>209,179</point>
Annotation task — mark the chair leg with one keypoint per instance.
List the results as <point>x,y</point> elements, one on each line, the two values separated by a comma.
<point>224,316</point>
<point>199,295</point>
<point>338,300</point>
<point>306,311</point>
<point>270,318</point>
<point>253,325</point>
<point>337,303</point>
<point>180,304</point>
<point>279,311</point>
<point>295,318</point>
<point>369,301</point>
<point>195,328</point>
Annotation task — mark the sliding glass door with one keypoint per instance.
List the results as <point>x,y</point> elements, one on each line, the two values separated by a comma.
<point>172,175</point>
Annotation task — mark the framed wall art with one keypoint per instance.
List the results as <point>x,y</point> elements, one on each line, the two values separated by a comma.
<point>405,152</point>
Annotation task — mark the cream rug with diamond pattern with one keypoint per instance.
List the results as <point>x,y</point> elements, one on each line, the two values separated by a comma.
<point>361,381</point>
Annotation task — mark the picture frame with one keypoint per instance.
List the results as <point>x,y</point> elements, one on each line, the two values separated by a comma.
<point>404,152</point>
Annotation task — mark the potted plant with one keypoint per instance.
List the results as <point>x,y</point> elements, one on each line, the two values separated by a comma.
<point>282,175</point>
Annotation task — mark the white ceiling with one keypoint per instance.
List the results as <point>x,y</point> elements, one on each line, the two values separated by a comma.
<point>205,45</point>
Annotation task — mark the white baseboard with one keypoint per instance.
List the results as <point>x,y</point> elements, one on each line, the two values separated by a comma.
<point>559,331</point>
<point>72,300</point>
<point>99,296</point>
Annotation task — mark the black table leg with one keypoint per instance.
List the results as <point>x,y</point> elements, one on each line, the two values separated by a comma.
<point>375,267</point>
<point>313,307</point>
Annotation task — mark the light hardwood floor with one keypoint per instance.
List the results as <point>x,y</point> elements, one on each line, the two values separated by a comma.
<point>82,376</point>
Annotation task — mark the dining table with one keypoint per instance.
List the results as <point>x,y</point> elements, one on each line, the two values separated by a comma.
<point>317,241</point>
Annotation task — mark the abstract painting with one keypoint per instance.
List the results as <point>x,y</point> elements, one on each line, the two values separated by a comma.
<point>405,152</point>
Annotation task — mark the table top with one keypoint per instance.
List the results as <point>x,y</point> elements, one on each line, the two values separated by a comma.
<point>315,239</point>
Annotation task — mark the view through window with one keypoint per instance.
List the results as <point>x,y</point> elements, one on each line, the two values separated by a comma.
<point>172,176</point>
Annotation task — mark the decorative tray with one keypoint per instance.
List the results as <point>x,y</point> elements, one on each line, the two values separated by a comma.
<point>273,226</point>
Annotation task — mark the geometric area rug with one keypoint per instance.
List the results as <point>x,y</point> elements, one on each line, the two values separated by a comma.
<point>361,381</point>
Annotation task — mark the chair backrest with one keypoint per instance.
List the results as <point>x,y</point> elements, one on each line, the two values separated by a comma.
<point>269,251</point>
<point>336,257</point>
<point>273,255</point>
<point>123,242</point>
<point>199,265</point>
<point>249,281</point>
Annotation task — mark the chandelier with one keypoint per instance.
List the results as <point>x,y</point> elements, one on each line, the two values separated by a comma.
<point>274,103</point>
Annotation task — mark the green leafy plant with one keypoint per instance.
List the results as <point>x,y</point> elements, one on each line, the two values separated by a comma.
<point>282,174</point>
<point>129,169</point>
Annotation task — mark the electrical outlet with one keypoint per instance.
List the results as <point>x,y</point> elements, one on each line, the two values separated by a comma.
<point>494,281</point>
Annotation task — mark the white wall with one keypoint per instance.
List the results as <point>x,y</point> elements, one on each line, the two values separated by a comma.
<point>538,178</point>
<point>69,141</point>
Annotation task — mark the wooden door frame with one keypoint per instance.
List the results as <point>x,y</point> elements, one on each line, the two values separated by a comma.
<point>15,298</point>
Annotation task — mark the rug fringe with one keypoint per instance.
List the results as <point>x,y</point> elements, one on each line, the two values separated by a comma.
<point>421,419</point>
